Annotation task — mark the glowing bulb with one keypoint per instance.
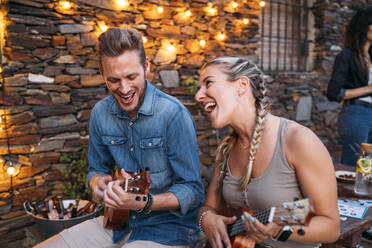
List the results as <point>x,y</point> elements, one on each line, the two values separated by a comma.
<point>234,4</point>
<point>212,11</point>
<point>1,119</point>
<point>160,9</point>
<point>122,3</point>
<point>171,48</point>
<point>188,13</point>
<point>262,3</point>
<point>245,20</point>
<point>144,39</point>
<point>221,36</point>
<point>202,42</point>
<point>65,4</point>
<point>103,27</point>
<point>10,171</point>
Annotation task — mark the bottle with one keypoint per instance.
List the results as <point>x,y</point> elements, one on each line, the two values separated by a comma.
<point>74,209</point>
<point>363,180</point>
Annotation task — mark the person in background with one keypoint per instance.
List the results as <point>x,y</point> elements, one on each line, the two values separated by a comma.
<point>135,128</point>
<point>265,161</point>
<point>351,83</point>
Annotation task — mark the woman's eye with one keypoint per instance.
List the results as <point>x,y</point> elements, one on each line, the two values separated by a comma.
<point>208,83</point>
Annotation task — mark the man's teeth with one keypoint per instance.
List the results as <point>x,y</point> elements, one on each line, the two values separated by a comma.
<point>128,96</point>
<point>209,106</point>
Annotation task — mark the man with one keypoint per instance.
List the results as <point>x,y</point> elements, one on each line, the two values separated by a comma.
<point>135,128</point>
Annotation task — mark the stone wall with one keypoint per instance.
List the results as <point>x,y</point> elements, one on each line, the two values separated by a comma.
<point>52,80</point>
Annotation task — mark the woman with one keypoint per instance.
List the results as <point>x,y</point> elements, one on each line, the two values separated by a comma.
<point>351,83</point>
<point>266,160</point>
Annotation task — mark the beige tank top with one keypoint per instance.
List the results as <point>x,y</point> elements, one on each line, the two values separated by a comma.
<point>276,185</point>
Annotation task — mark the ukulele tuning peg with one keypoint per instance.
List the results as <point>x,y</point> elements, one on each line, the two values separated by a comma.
<point>296,199</point>
<point>301,231</point>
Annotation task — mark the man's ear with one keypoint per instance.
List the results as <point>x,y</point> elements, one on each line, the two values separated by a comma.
<point>147,66</point>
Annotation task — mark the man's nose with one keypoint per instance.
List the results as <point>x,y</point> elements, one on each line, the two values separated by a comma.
<point>124,86</point>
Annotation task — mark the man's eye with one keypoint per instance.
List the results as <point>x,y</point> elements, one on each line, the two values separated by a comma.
<point>132,78</point>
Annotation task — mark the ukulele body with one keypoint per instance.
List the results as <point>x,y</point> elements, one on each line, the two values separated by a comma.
<point>139,184</point>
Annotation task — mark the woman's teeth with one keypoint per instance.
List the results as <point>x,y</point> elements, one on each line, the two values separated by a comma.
<point>209,107</point>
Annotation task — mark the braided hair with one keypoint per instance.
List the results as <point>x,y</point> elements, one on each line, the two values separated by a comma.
<point>234,68</point>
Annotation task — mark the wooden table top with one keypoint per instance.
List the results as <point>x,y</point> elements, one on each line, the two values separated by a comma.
<point>351,228</point>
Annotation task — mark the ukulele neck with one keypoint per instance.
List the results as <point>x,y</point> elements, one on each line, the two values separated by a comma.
<point>264,217</point>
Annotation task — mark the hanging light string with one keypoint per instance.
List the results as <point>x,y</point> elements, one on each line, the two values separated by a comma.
<point>2,43</point>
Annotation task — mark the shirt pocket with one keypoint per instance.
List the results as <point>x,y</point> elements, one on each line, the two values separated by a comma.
<point>151,143</point>
<point>110,140</point>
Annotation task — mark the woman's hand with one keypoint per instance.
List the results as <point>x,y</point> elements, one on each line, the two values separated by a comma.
<point>214,227</point>
<point>258,231</point>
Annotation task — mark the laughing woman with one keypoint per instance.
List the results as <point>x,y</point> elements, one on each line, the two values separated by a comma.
<point>267,160</point>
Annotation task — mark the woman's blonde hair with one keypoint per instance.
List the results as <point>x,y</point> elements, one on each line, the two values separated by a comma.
<point>234,68</point>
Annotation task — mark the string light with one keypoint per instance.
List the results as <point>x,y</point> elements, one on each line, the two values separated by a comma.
<point>212,11</point>
<point>102,26</point>
<point>234,4</point>
<point>221,36</point>
<point>10,170</point>
<point>65,4</point>
<point>122,4</point>
<point>144,39</point>
<point>171,48</point>
<point>188,13</point>
<point>202,43</point>
<point>160,9</point>
<point>246,21</point>
<point>262,3</point>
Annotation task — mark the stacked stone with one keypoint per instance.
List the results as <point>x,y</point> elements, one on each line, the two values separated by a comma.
<point>52,82</point>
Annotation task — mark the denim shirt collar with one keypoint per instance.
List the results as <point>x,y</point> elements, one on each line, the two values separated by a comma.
<point>146,106</point>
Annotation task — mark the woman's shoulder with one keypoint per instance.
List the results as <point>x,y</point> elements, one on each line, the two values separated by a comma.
<point>345,53</point>
<point>298,136</point>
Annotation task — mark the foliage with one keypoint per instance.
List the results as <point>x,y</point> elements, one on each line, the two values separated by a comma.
<point>74,176</point>
<point>192,84</point>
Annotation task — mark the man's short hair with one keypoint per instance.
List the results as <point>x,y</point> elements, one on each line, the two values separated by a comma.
<point>116,41</point>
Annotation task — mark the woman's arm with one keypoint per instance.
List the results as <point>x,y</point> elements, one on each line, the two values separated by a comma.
<point>315,173</point>
<point>361,91</point>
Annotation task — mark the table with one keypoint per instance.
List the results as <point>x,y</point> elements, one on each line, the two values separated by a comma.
<point>351,229</point>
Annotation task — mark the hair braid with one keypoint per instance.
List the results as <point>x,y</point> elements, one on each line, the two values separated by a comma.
<point>262,110</point>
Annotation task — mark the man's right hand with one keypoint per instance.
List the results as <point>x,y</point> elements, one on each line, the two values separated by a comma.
<point>98,184</point>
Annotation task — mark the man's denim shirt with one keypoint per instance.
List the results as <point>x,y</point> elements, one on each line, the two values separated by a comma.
<point>162,138</point>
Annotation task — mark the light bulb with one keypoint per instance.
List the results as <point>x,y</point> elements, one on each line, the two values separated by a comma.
<point>202,42</point>
<point>245,20</point>
<point>160,9</point>
<point>103,27</point>
<point>188,13</point>
<point>234,4</point>
<point>171,48</point>
<point>212,11</point>
<point>144,39</point>
<point>262,3</point>
<point>10,171</point>
<point>122,3</point>
<point>221,36</point>
<point>65,4</point>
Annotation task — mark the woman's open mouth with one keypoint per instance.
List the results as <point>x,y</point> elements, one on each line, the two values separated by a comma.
<point>209,107</point>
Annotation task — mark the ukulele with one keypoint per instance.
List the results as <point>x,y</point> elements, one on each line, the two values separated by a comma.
<point>289,213</point>
<point>138,184</point>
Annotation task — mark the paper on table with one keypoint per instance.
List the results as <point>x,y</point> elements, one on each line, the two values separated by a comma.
<point>353,209</point>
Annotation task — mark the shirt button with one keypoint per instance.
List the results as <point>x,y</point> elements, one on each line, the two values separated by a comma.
<point>133,217</point>
<point>150,144</point>
<point>130,123</point>
<point>112,142</point>
<point>131,149</point>
<point>190,232</point>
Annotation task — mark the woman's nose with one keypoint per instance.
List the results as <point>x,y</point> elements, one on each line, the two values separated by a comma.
<point>200,94</point>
